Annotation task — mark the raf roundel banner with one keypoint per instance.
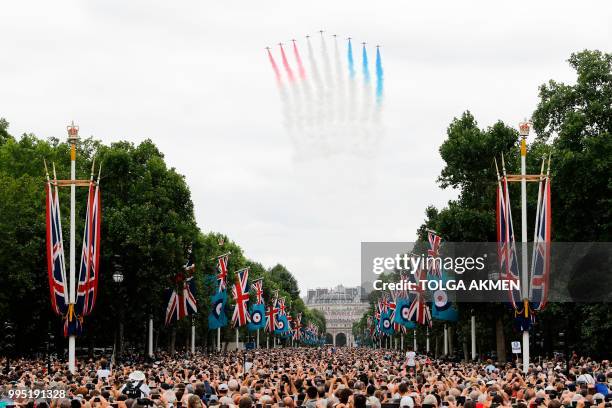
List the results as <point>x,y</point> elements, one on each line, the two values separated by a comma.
<point>258,317</point>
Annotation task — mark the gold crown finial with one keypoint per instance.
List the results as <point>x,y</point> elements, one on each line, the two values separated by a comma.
<point>524,128</point>
<point>73,132</point>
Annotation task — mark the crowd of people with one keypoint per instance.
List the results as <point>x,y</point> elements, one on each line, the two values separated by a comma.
<point>325,377</point>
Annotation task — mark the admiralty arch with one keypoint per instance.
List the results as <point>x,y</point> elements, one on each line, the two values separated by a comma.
<point>342,307</point>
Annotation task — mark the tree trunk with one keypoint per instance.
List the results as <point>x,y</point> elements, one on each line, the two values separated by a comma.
<point>90,350</point>
<point>156,339</point>
<point>501,340</point>
<point>172,340</point>
<point>466,356</point>
<point>120,341</point>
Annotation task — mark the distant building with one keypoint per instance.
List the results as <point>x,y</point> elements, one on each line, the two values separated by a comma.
<point>341,307</point>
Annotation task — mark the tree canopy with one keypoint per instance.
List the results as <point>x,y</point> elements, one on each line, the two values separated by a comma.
<point>573,123</point>
<point>148,226</point>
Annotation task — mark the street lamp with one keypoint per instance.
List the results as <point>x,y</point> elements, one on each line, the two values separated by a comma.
<point>50,339</point>
<point>118,274</point>
<point>118,279</point>
<point>9,342</point>
<point>563,345</point>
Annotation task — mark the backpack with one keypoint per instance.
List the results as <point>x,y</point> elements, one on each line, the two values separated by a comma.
<point>132,389</point>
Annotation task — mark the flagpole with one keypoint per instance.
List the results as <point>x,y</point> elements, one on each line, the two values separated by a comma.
<point>236,338</point>
<point>402,342</point>
<point>524,132</point>
<point>192,337</point>
<point>427,342</point>
<point>445,340</point>
<point>257,338</point>
<point>414,340</point>
<point>150,347</point>
<point>218,339</point>
<point>73,135</point>
<point>473,335</point>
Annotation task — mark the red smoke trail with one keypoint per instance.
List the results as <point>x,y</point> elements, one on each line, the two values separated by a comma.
<point>299,61</point>
<point>274,67</point>
<point>286,65</point>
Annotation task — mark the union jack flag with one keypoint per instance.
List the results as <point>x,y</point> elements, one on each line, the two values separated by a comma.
<point>540,267</point>
<point>271,317</point>
<point>313,329</point>
<point>433,252</point>
<point>222,268</point>
<point>371,325</point>
<point>90,255</point>
<point>297,327</point>
<point>257,286</point>
<point>56,266</point>
<point>395,294</point>
<point>419,310</point>
<point>181,303</point>
<point>240,291</point>
<point>290,324</point>
<point>384,303</point>
<point>189,266</point>
<point>403,293</point>
<point>506,248</point>
<point>282,309</point>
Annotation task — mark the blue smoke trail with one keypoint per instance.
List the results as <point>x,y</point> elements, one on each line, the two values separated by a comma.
<point>379,77</point>
<point>366,71</point>
<point>351,64</point>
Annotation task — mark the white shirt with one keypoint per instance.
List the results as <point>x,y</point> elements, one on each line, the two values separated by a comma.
<point>586,378</point>
<point>144,389</point>
<point>410,357</point>
<point>103,373</point>
<point>372,401</point>
<point>406,401</point>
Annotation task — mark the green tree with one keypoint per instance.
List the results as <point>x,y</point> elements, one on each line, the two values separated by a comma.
<point>577,119</point>
<point>285,280</point>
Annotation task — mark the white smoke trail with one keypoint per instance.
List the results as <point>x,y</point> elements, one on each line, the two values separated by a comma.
<point>340,88</point>
<point>326,111</point>
<point>320,128</point>
<point>330,105</point>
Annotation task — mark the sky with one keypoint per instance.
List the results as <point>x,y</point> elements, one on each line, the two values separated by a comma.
<point>194,77</point>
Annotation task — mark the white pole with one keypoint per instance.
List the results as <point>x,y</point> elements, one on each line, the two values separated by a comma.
<point>192,338</point>
<point>524,130</point>
<point>473,337</point>
<point>402,342</point>
<point>236,338</point>
<point>218,339</point>
<point>414,340</point>
<point>445,341</point>
<point>427,342</point>
<point>267,341</point>
<point>150,348</point>
<point>257,338</point>
<point>72,287</point>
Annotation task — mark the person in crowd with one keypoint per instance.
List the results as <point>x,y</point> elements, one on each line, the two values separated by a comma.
<point>310,378</point>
